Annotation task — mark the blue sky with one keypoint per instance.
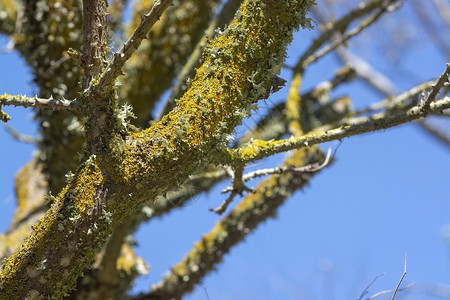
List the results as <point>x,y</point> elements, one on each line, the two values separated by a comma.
<point>386,195</point>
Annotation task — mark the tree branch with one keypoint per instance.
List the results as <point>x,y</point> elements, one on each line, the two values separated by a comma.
<point>401,278</point>
<point>36,102</point>
<point>258,149</point>
<point>220,20</point>
<point>336,27</point>
<point>95,38</point>
<point>424,105</point>
<point>386,6</point>
<point>256,208</point>
<point>114,68</point>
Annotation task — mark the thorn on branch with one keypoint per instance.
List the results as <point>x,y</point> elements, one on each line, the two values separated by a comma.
<point>36,102</point>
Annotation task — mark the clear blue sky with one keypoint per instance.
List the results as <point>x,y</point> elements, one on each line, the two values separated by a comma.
<point>386,195</point>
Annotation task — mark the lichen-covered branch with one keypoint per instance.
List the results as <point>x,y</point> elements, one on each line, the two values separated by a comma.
<point>36,102</point>
<point>258,149</point>
<point>273,124</point>
<point>165,51</point>
<point>220,20</point>
<point>245,217</point>
<point>235,73</point>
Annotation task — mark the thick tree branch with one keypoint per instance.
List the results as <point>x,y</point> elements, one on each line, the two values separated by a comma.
<point>220,20</point>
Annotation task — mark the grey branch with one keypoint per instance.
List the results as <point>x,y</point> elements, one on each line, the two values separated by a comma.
<point>366,290</point>
<point>36,102</point>
<point>401,278</point>
<point>340,40</point>
<point>333,28</point>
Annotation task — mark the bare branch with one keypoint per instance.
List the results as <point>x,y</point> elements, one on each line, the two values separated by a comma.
<point>36,102</point>
<point>336,27</point>
<point>397,101</point>
<point>401,278</point>
<point>366,290</point>
<point>384,7</point>
<point>384,292</point>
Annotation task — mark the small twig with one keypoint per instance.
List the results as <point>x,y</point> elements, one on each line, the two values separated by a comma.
<point>36,102</point>
<point>4,117</point>
<point>385,7</point>
<point>401,278</point>
<point>381,293</point>
<point>278,170</point>
<point>366,290</point>
<point>114,68</point>
<point>238,188</point>
<point>424,105</point>
<point>334,28</point>
<point>19,136</point>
